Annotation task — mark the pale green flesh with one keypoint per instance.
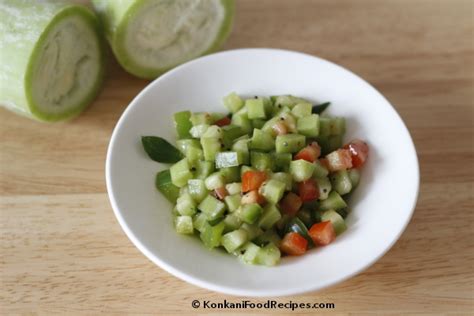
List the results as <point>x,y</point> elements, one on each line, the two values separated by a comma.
<point>67,66</point>
<point>162,34</point>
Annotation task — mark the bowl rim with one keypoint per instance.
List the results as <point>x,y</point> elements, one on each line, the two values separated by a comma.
<point>227,289</point>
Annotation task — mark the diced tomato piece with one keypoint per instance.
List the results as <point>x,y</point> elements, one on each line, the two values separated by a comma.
<point>293,244</point>
<point>252,197</point>
<point>280,128</point>
<point>291,203</point>
<point>359,151</point>
<point>324,163</point>
<point>252,180</point>
<point>340,159</point>
<point>221,193</point>
<point>223,121</point>
<point>308,190</point>
<point>309,153</point>
<point>322,233</point>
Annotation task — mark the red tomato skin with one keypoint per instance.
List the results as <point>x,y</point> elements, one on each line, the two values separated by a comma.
<point>310,153</point>
<point>223,121</point>
<point>322,233</point>
<point>294,244</point>
<point>252,180</point>
<point>252,197</point>
<point>221,193</point>
<point>290,204</point>
<point>359,152</point>
<point>308,190</point>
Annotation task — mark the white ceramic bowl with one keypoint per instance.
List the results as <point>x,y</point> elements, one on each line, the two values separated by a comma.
<point>381,206</point>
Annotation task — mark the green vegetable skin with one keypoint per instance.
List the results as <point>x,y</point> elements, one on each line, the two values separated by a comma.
<point>149,37</point>
<point>52,58</point>
<point>210,185</point>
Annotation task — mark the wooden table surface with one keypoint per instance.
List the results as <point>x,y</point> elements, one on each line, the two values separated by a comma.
<point>62,250</point>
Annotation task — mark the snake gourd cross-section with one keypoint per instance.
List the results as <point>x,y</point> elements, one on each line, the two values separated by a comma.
<point>149,37</point>
<point>51,58</point>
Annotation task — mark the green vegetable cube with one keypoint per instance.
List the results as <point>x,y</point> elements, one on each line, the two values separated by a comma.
<point>261,140</point>
<point>255,109</point>
<point>268,255</point>
<point>197,131</point>
<point>197,189</point>
<point>302,109</point>
<point>301,170</point>
<point>284,177</point>
<point>354,175</point>
<point>241,146</point>
<point>234,188</point>
<point>261,161</point>
<point>184,224</point>
<point>212,207</point>
<point>341,182</point>
<point>258,123</point>
<point>250,254</point>
<point>241,119</point>
<point>183,144</point>
<point>319,170</point>
<point>253,231</point>
<point>271,215</point>
<point>338,126</point>
<point>183,124</point>
<point>201,118</point>
<point>282,161</point>
<point>180,173</point>
<point>233,102</point>
<point>232,222</point>
<point>211,236</point>
<point>193,154</point>
<point>272,190</point>
<point>337,221</point>
<point>211,146</point>
<point>199,221</point>
<point>214,181</point>
<point>289,143</point>
<point>203,169</point>
<point>232,202</point>
<point>234,240</point>
<point>230,174</point>
<point>334,201</point>
<point>325,126</point>
<point>249,213</point>
<point>324,186</point>
<point>230,133</point>
<point>308,125</point>
<point>228,159</point>
<point>186,205</point>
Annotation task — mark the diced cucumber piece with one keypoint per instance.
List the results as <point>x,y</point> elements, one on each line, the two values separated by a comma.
<point>180,173</point>
<point>337,221</point>
<point>213,131</point>
<point>200,118</point>
<point>253,231</point>
<point>203,169</point>
<point>211,236</point>
<point>183,124</point>
<point>211,146</point>
<point>323,142</point>
<point>354,175</point>
<point>232,202</point>
<point>308,125</point>
<point>272,190</point>
<point>261,161</point>
<point>341,182</point>
<point>271,214</point>
<point>305,216</point>
<point>234,188</point>
<point>184,224</point>
<point>302,109</point>
<point>284,177</point>
<point>241,119</point>
<point>282,161</point>
<point>255,109</point>
<point>288,119</point>
<point>199,221</point>
<point>183,144</point>
<point>231,133</point>
<point>343,212</point>
<point>334,201</point>
<point>166,187</point>
<point>233,102</point>
<point>325,126</point>
<point>319,170</point>
<point>268,126</point>
<point>197,189</point>
<point>228,159</point>
<point>324,186</point>
<point>198,130</point>
<point>185,205</point>
<point>194,154</point>
<point>268,255</point>
<point>261,141</point>
<point>338,126</point>
<point>214,181</point>
<point>230,174</point>
<point>289,143</point>
<point>250,254</point>
<point>258,123</point>
<point>268,236</point>
<point>249,213</point>
<point>241,146</point>
<point>301,170</point>
<point>183,190</point>
<point>288,100</point>
<point>212,207</point>
<point>234,240</point>
<point>232,222</point>
<point>334,142</point>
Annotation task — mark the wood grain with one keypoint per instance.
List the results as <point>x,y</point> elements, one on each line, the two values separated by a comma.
<point>62,251</point>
